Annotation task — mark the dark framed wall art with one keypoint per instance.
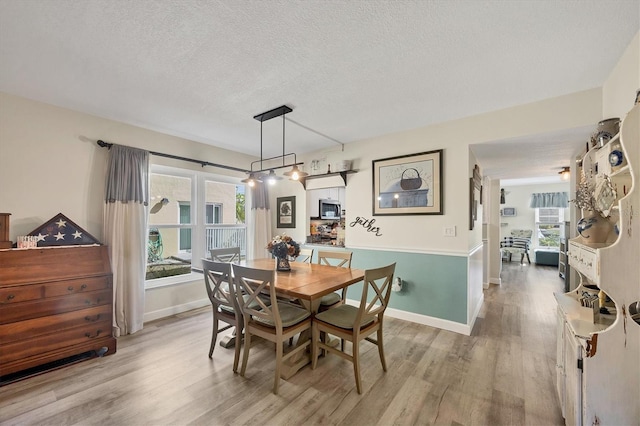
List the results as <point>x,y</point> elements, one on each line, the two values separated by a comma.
<point>286,212</point>
<point>408,185</point>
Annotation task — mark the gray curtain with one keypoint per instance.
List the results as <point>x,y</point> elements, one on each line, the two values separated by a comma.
<point>127,175</point>
<point>125,232</point>
<point>549,199</point>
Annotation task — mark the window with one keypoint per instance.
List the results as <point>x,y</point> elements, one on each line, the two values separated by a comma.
<point>549,226</point>
<point>190,213</point>
<point>214,213</point>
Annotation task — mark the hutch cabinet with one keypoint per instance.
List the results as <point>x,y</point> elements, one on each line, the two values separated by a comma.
<point>598,362</point>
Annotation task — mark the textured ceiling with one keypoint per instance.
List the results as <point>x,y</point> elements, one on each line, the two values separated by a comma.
<point>350,70</point>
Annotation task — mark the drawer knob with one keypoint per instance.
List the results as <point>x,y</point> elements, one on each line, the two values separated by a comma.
<point>90,336</point>
<point>70,288</point>
<point>11,296</point>
<point>94,319</point>
<point>83,286</point>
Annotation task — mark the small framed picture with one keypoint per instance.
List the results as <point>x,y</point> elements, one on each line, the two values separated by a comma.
<point>286,213</point>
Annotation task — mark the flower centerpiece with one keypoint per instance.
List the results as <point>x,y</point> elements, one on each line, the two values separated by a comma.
<point>283,247</point>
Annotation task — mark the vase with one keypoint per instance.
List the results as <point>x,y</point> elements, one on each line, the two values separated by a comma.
<point>282,264</point>
<point>593,228</point>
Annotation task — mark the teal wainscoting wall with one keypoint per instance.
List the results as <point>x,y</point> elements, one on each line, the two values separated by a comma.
<point>433,285</point>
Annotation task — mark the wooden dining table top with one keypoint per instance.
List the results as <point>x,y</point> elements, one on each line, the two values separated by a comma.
<point>308,281</point>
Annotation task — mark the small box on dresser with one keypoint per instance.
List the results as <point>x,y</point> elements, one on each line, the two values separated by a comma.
<point>55,303</point>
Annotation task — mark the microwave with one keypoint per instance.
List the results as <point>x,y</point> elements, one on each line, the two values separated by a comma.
<point>329,209</point>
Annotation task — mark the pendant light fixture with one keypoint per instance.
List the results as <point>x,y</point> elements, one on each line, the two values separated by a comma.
<point>257,175</point>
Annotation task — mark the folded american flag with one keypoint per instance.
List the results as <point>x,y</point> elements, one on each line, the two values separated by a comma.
<point>61,231</point>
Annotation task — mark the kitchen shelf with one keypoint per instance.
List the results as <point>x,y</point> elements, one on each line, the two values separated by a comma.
<point>303,180</point>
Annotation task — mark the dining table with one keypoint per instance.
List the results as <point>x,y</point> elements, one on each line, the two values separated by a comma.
<point>306,282</point>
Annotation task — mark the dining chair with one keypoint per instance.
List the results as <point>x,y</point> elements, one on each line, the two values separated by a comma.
<point>353,323</point>
<point>228,255</point>
<point>223,297</point>
<point>275,322</point>
<point>305,256</point>
<point>339,259</point>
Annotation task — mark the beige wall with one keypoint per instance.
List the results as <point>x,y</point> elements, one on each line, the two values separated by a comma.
<point>619,91</point>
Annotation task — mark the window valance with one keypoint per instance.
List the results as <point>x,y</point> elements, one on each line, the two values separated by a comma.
<point>549,199</point>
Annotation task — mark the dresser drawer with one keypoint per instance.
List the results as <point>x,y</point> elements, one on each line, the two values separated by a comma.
<point>28,329</point>
<point>21,293</point>
<point>54,341</point>
<point>41,308</point>
<point>584,260</point>
<point>76,286</point>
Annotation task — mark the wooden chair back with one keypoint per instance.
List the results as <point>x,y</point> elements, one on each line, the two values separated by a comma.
<point>228,255</point>
<point>335,258</point>
<point>220,288</point>
<point>305,256</point>
<point>250,285</point>
<point>377,284</point>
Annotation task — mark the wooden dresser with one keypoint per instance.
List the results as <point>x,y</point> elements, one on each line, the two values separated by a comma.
<point>55,303</point>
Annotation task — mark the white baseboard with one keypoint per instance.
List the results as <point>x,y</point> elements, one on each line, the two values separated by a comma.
<point>485,285</point>
<point>475,313</point>
<point>495,281</point>
<point>456,327</point>
<point>173,310</point>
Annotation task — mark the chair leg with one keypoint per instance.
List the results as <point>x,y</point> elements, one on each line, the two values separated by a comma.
<point>522,258</point>
<point>279,353</point>
<point>245,355</point>
<point>214,332</point>
<point>528,260</point>
<point>381,350</point>
<point>236,356</point>
<point>510,257</point>
<point>356,364</point>
<point>315,336</point>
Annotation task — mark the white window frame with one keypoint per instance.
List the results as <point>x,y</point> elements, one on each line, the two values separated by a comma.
<point>216,206</point>
<point>538,222</point>
<point>198,219</point>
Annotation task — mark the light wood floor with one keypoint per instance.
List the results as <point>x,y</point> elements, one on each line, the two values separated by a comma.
<point>503,374</point>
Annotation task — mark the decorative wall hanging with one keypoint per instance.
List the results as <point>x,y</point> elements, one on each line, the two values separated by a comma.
<point>286,212</point>
<point>408,184</point>
<point>367,224</point>
<point>61,231</point>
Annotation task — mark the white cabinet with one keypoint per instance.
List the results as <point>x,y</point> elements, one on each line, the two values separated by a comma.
<point>315,195</point>
<point>607,389</point>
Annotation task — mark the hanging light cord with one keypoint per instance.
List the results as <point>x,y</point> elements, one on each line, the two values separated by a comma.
<point>316,132</point>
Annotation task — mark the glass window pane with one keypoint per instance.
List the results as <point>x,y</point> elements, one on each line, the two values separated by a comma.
<point>224,195</point>
<point>168,194</point>
<point>164,255</point>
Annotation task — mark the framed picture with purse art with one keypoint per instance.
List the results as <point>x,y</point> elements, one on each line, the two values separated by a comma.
<point>286,213</point>
<point>408,184</point>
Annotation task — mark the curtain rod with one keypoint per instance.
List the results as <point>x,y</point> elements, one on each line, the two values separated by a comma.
<point>108,145</point>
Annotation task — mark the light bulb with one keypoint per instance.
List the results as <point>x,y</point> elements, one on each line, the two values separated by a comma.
<point>272,181</point>
<point>295,175</point>
<point>251,183</point>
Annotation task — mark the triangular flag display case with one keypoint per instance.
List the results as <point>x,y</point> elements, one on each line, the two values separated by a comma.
<point>61,231</point>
